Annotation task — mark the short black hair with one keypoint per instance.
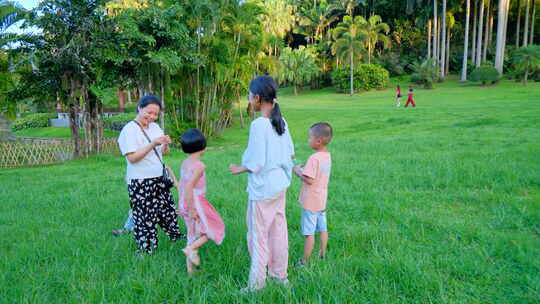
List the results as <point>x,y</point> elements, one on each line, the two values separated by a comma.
<point>410,89</point>
<point>192,141</point>
<point>323,131</point>
<point>147,100</point>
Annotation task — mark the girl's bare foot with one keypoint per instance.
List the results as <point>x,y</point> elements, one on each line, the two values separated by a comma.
<point>192,255</point>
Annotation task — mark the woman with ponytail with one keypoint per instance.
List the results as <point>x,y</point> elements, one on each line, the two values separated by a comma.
<point>268,162</point>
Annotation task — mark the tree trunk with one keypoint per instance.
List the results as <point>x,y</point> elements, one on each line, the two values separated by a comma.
<point>121,100</point>
<point>443,42</point>
<point>466,43</point>
<point>5,130</point>
<point>501,26</point>
<point>486,32</point>
<point>74,118</point>
<point>490,34</point>
<point>447,65</point>
<point>369,53</point>
<point>478,60</point>
<point>475,30</point>
<point>429,38</point>
<point>435,43</point>
<point>162,91</point>
<point>533,21</point>
<point>129,97</point>
<point>526,27</point>
<point>518,22</point>
<point>352,73</point>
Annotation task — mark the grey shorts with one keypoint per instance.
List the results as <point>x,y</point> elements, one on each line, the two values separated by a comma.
<point>313,221</point>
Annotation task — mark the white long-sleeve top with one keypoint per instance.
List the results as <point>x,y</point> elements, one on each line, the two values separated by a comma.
<point>268,157</point>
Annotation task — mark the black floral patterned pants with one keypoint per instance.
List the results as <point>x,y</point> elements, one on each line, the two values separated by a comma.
<point>152,204</point>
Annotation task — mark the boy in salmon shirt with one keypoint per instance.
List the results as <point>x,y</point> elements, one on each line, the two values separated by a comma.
<point>314,193</point>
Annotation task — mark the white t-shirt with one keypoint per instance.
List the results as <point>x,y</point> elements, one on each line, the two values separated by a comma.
<point>268,157</point>
<point>132,139</point>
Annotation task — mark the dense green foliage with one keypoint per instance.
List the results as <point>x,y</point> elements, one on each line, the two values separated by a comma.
<point>37,120</point>
<point>486,74</point>
<point>527,62</point>
<point>117,122</point>
<point>425,73</point>
<point>366,77</point>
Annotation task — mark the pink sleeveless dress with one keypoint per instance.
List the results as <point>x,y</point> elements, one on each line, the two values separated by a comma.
<point>210,222</point>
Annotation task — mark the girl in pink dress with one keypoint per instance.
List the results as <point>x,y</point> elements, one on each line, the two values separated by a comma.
<point>202,220</point>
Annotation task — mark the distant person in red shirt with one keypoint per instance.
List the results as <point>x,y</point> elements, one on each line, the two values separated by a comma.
<point>398,96</point>
<point>410,99</point>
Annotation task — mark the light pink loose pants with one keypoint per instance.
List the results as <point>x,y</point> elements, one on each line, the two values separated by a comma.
<point>268,240</point>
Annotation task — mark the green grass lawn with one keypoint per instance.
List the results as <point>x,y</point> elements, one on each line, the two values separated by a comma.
<point>57,132</point>
<point>434,204</point>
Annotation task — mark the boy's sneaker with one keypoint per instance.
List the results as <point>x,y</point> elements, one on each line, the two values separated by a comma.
<point>247,291</point>
<point>299,264</point>
<point>284,282</point>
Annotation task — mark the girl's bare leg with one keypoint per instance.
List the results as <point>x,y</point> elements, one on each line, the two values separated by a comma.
<point>199,242</point>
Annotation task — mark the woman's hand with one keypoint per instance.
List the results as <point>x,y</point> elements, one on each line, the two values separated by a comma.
<point>236,169</point>
<point>162,140</point>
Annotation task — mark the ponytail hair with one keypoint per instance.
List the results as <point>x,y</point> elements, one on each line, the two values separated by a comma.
<point>266,87</point>
<point>277,120</point>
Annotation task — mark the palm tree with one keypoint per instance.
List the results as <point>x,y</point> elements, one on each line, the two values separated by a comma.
<point>533,21</point>
<point>526,27</point>
<point>526,60</point>
<point>278,20</point>
<point>10,13</point>
<point>347,6</point>
<point>298,66</point>
<point>466,42</point>
<point>443,43</point>
<point>376,31</point>
<point>501,37</point>
<point>349,39</point>
<point>478,51</point>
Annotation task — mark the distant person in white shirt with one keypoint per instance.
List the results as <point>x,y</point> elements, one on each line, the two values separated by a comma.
<point>143,143</point>
<point>268,162</point>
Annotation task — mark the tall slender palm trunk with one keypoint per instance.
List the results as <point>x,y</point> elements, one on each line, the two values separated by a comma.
<point>443,42</point>
<point>352,73</point>
<point>466,43</point>
<point>526,27</point>
<point>486,32</point>
<point>478,60</point>
<point>533,21</point>
<point>501,37</point>
<point>518,22</point>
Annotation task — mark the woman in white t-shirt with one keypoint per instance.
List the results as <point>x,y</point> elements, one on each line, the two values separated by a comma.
<point>150,199</point>
<point>268,162</point>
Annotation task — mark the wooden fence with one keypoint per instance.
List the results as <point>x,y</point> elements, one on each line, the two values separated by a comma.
<point>21,152</point>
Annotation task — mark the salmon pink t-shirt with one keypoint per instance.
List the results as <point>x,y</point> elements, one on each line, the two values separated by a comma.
<point>313,197</point>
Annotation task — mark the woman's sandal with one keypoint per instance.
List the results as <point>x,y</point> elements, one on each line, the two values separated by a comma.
<point>117,232</point>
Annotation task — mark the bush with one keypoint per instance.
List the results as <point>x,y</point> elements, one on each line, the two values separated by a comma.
<point>396,64</point>
<point>366,77</point>
<point>425,73</point>
<point>117,122</point>
<point>37,120</point>
<point>526,62</point>
<point>486,74</point>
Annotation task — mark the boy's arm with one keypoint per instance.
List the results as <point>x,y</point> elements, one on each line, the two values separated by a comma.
<point>299,172</point>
